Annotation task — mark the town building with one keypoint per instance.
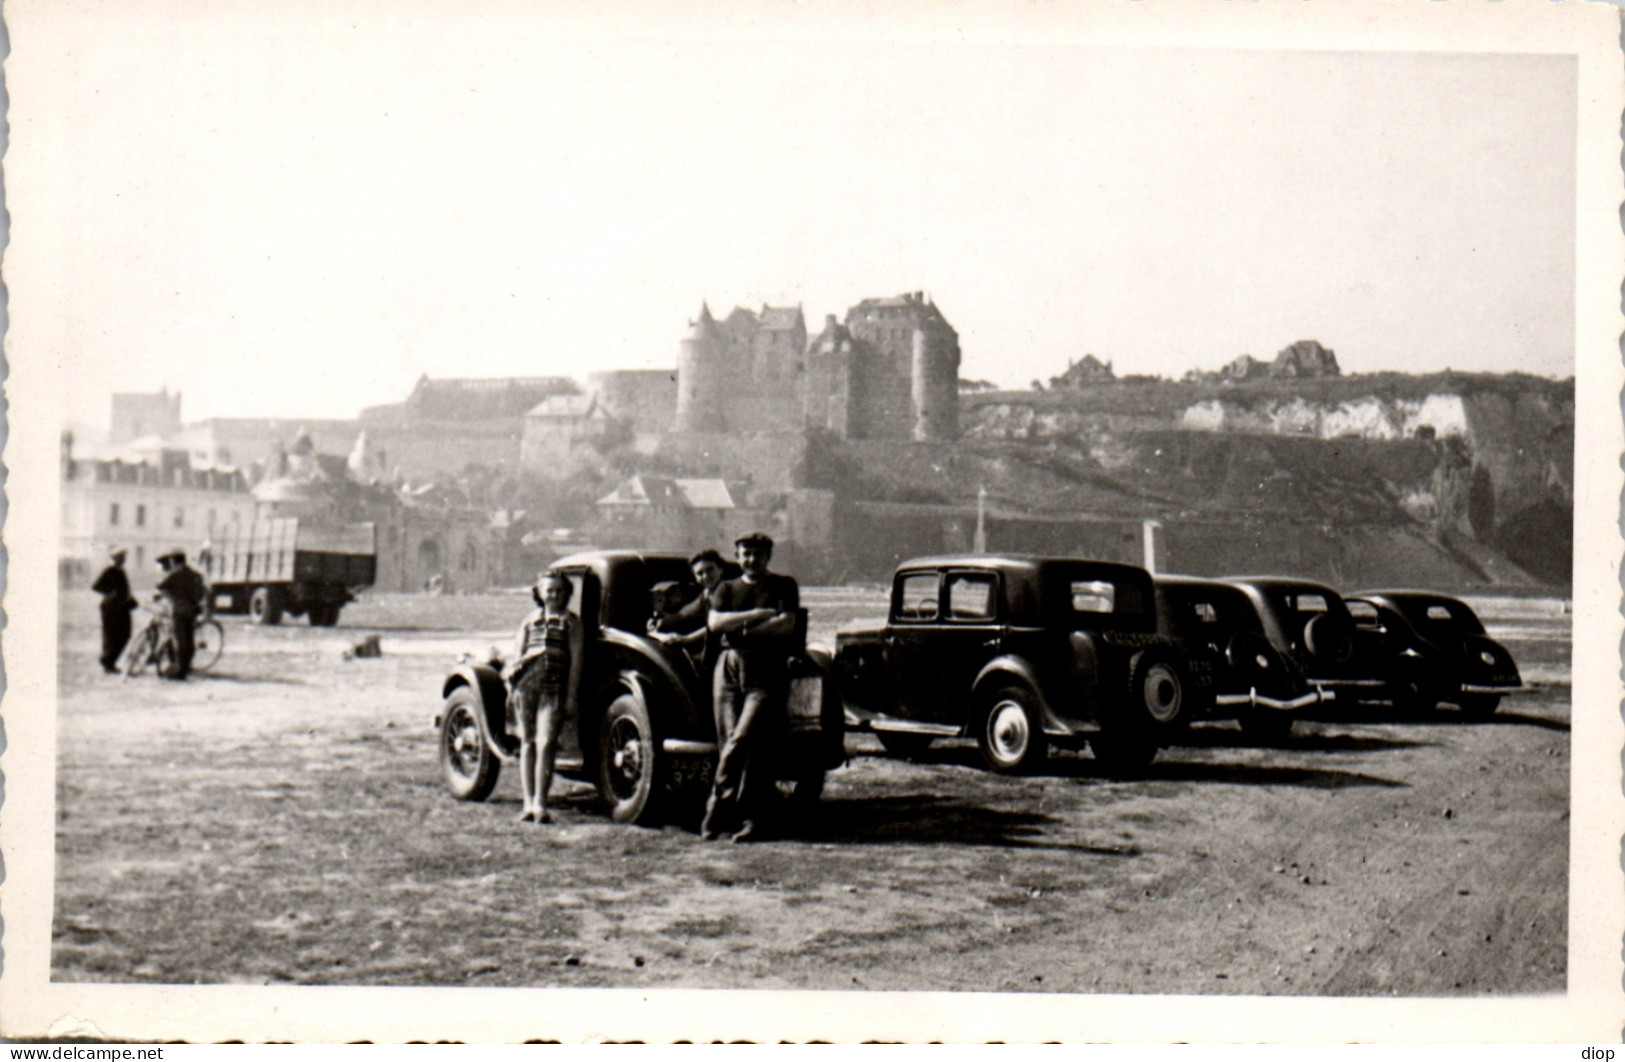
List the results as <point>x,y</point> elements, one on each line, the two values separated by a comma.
<point>559,427</point>
<point>1087,372</point>
<point>147,506</point>
<point>662,512</point>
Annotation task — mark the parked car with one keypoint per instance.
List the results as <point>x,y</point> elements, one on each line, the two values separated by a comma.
<point>1020,653</point>
<point>644,734</point>
<point>1435,649</point>
<point>1309,624</point>
<point>1235,670</point>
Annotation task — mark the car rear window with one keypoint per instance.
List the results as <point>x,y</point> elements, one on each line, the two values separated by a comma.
<point>1087,599</point>
<point>1198,607</point>
<point>1093,595</point>
<point>1308,602</point>
<point>1444,614</point>
<point>1364,613</point>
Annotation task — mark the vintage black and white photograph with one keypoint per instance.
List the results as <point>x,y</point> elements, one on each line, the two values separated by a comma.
<point>961,522</point>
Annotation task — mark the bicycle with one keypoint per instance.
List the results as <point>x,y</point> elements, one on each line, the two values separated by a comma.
<point>154,644</point>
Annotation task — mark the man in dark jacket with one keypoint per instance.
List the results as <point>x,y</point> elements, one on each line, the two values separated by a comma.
<point>756,616</point>
<point>114,586</point>
<point>184,588</point>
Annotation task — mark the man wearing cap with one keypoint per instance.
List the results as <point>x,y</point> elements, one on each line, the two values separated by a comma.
<point>755,615</point>
<point>184,588</point>
<point>114,586</point>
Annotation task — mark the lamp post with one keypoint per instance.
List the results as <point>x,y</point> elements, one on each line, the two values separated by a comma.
<point>980,543</point>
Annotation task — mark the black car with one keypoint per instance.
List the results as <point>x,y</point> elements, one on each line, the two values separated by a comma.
<point>1235,669</point>
<point>1019,652</point>
<point>1309,624</point>
<point>645,734</point>
<point>1434,650</point>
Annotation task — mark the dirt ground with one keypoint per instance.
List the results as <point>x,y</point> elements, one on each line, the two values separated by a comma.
<point>281,820</point>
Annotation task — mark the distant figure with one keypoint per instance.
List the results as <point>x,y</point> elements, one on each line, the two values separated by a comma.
<point>184,589</point>
<point>543,681</point>
<point>114,586</point>
<point>755,615</point>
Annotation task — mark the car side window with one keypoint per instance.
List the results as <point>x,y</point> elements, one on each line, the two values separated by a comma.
<point>917,597</point>
<point>971,596</point>
<point>578,589</point>
<point>1310,603</point>
<point>1439,614</point>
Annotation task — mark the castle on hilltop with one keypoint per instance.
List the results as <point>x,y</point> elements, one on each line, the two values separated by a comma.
<point>890,371</point>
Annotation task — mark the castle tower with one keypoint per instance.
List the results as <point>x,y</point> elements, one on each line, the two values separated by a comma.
<point>934,383</point>
<point>702,376</point>
<point>906,377</point>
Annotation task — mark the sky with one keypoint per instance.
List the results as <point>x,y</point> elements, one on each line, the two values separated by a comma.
<point>296,211</point>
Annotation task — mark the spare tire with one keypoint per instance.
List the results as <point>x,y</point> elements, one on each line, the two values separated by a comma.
<point>1328,639</point>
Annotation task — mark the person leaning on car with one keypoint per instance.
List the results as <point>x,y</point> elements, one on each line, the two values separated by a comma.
<point>755,616</point>
<point>544,679</point>
<point>688,625</point>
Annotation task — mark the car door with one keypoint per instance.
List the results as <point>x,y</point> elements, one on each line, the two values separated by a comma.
<point>911,658</point>
<point>584,600</point>
<point>941,653</point>
<point>972,633</point>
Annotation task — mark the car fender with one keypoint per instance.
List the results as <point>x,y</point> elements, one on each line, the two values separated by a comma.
<point>487,682</point>
<point>637,659</point>
<point>1008,666</point>
<point>817,661</point>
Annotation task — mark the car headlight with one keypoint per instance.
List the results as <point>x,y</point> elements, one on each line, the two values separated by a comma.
<point>1262,661</point>
<point>1487,656</point>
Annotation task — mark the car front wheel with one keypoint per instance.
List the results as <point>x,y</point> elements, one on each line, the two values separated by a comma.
<point>631,763</point>
<point>1011,734</point>
<point>467,763</point>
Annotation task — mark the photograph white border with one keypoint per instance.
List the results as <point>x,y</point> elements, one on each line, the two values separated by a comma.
<point>1593,1008</point>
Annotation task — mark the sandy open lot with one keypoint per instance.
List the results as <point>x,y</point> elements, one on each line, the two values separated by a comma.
<point>282,821</point>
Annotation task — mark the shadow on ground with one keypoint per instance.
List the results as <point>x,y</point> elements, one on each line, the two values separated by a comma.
<point>1085,768</point>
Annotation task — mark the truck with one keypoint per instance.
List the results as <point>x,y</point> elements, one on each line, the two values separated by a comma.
<point>290,565</point>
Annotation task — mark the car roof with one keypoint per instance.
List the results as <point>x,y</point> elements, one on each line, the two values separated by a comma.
<point>1186,580</point>
<point>606,556</point>
<point>1279,582</point>
<point>1406,595</point>
<point>1012,562</point>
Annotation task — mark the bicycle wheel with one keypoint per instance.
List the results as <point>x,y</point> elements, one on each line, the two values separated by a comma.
<point>207,642</point>
<point>139,653</point>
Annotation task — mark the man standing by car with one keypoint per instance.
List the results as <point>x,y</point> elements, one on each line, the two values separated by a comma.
<point>755,616</point>
<point>114,586</point>
<point>184,588</point>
